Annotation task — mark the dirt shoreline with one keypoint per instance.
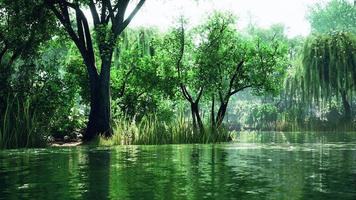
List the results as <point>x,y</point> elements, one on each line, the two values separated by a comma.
<point>66,144</point>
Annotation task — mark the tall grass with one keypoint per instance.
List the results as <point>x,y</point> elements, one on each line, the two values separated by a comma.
<point>150,130</point>
<point>19,125</point>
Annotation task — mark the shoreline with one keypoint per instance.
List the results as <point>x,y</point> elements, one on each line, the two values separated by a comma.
<point>66,144</point>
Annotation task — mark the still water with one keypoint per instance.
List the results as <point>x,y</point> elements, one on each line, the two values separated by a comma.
<point>258,166</point>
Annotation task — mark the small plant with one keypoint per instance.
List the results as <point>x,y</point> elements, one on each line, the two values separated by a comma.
<point>20,126</point>
<point>150,130</point>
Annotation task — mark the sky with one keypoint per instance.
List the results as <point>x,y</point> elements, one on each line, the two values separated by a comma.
<point>291,13</point>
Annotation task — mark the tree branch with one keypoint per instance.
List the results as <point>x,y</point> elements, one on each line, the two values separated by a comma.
<point>83,39</point>
<point>240,89</point>
<point>223,27</point>
<point>232,80</point>
<point>221,97</point>
<point>200,93</point>
<point>181,51</point>
<point>80,29</point>
<point>127,75</point>
<point>186,93</point>
<point>66,25</point>
<point>111,14</point>
<point>104,7</point>
<point>3,51</point>
<point>120,15</point>
<point>94,13</point>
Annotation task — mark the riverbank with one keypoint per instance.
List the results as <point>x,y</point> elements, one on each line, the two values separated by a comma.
<point>66,144</point>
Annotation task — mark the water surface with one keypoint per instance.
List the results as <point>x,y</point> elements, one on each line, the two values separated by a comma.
<point>258,166</point>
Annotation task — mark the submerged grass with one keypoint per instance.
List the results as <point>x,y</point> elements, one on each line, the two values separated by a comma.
<point>19,125</point>
<point>150,130</point>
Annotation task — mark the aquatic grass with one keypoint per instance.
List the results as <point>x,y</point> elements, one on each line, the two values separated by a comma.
<point>150,130</point>
<point>20,126</point>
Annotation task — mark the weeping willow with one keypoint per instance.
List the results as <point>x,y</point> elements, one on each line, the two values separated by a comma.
<point>133,46</point>
<point>293,94</point>
<point>139,40</point>
<point>131,67</point>
<point>294,83</point>
<point>329,69</point>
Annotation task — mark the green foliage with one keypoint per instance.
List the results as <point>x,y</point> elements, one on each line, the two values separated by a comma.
<point>139,84</point>
<point>76,71</point>
<point>20,125</point>
<point>329,65</point>
<point>263,117</point>
<point>222,48</point>
<point>321,80</point>
<point>335,15</point>
<point>151,130</point>
<point>176,52</point>
<point>45,83</point>
<point>42,80</point>
<point>27,25</point>
<point>55,90</point>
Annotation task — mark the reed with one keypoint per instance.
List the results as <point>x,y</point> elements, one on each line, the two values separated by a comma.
<point>20,126</point>
<point>151,131</point>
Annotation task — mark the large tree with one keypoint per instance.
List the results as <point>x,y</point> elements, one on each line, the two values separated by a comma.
<point>213,61</point>
<point>178,55</point>
<point>238,62</point>
<point>109,22</point>
<point>328,58</point>
<point>329,68</point>
<point>139,83</point>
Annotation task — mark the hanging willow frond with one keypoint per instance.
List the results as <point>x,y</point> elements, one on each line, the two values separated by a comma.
<point>329,65</point>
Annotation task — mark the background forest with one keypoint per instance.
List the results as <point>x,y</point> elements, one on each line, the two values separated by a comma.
<point>185,85</point>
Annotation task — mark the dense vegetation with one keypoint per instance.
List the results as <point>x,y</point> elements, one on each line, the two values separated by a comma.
<point>63,78</point>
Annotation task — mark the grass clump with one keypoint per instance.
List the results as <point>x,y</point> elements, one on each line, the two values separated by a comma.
<point>20,125</point>
<point>151,131</point>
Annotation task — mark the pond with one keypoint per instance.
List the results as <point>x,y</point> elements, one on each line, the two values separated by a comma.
<point>259,166</point>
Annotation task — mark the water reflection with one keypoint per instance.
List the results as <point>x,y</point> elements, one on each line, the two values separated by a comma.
<point>40,174</point>
<point>276,167</point>
<point>295,137</point>
<point>97,174</point>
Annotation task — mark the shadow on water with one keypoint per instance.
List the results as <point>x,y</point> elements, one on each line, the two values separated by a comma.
<point>270,166</point>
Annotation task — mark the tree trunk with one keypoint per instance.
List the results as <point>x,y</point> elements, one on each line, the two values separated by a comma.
<point>99,117</point>
<point>221,114</point>
<point>212,115</point>
<point>200,123</point>
<point>197,121</point>
<point>193,110</point>
<point>347,107</point>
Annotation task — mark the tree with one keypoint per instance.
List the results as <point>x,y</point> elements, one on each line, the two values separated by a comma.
<point>23,27</point>
<point>178,55</point>
<point>319,61</point>
<point>236,62</point>
<point>329,68</point>
<point>109,22</point>
<point>139,84</point>
<point>336,15</point>
<point>39,97</point>
<point>213,61</point>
